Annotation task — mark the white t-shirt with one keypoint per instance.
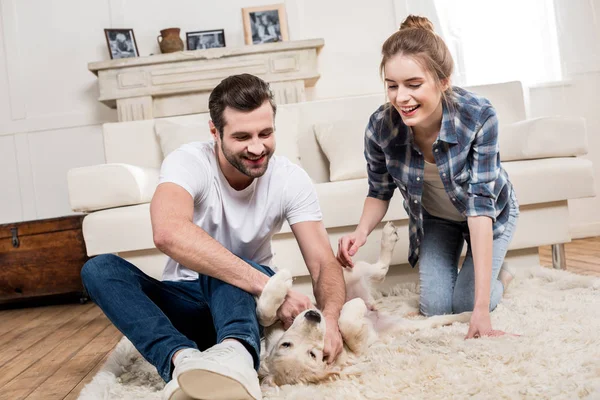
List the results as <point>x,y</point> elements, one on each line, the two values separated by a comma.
<point>242,221</point>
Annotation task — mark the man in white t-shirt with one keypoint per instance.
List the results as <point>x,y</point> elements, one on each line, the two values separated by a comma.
<point>214,213</point>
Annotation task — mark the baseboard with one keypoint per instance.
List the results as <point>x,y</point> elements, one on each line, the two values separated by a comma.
<point>581,231</point>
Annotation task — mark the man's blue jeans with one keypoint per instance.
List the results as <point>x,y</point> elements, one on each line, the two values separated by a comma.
<point>445,290</point>
<point>162,317</point>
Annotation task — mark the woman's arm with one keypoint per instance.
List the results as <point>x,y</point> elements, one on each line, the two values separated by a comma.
<point>482,238</point>
<point>373,212</point>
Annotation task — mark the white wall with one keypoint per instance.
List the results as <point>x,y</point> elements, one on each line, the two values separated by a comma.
<point>50,118</point>
<point>49,114</point>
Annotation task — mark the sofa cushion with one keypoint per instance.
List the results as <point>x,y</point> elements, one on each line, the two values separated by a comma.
<point>172,135</point>
<point>110,185</point>
<point>118,230</point>
<point>542,138</point>
<point>343,145</point>
<point>342,142</point>
<point>551,179</point>
<point>129,228</point>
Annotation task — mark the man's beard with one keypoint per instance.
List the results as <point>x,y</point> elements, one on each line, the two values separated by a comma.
<point>237,161</point>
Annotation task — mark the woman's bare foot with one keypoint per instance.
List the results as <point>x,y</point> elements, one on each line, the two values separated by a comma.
<point>506,275</point>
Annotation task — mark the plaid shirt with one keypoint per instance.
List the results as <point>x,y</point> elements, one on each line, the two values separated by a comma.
<point>466,154</point>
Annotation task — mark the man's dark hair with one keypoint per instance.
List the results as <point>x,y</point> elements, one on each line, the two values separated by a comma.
<point>242,92</point>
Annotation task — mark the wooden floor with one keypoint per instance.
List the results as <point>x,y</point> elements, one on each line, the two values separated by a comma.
<point>52,352</point>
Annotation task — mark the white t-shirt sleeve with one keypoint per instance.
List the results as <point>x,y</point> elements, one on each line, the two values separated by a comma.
<point>300,199</point>
<point>187,168</point>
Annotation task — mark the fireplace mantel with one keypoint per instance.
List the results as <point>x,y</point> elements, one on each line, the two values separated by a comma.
<point>179,83</point>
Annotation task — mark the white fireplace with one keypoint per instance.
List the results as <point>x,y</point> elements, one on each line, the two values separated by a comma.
<point>180,83</point>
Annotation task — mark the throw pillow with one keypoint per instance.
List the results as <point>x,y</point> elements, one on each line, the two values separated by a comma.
<point>343,145</point>
<point>172,135</point>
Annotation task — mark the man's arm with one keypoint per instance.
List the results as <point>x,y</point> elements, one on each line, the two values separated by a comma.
<point>175,234</point>
<point>325,270</point>
<point>327,279</point>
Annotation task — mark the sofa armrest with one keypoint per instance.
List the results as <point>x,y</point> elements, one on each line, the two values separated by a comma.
<point>544,137</point>
<point>110,185</point>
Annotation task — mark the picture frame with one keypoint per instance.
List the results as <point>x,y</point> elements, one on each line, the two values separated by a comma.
<point>201,40</point>
<point>265,24</point>
<point>121,43</point>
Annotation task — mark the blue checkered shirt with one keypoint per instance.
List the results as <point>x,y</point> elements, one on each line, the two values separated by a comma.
<point>466,154</point>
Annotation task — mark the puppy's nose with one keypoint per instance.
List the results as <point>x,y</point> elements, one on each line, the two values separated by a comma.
<point>313,316</point>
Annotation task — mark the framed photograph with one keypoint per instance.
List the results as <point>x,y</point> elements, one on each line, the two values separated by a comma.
<point>121,43</point>
<point>201,40</point>
<point>265,24</point>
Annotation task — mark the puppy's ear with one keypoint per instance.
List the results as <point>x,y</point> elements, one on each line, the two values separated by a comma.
<point>266,378</point>
<point>263,370</point>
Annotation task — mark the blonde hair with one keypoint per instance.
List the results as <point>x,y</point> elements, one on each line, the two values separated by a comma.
<point>416,38</point>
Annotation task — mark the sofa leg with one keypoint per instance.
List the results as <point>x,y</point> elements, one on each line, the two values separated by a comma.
<point>558,256</point>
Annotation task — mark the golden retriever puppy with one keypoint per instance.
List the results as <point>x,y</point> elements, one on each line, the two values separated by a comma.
<point>296,355</point>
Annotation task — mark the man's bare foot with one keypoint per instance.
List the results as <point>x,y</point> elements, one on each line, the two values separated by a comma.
<point>506,275</point>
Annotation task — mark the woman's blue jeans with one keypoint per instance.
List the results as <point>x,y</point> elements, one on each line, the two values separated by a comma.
<point>162,317</point>
<point>445,290</point>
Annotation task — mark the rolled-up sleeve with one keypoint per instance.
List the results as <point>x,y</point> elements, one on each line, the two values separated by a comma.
<point>381,183</point>
<point>485,168</point>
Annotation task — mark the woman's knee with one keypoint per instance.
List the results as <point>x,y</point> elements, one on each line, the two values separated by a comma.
<point>433,304</point>
<point>464,301</point>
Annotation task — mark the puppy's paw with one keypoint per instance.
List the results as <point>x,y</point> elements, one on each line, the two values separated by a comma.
<point>356,329</point>
<point>273,296</point>
<point>354,309</point>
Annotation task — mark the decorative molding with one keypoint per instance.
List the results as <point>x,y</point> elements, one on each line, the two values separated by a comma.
<point>57,121</point>
<point>20,122</point>
<point>288,92</point>
<point>179,83</point>
<point>26,185</point>
<point>285,64</point>
<point>134,108</point>
<point>210,54</point>
<point>16,89</point>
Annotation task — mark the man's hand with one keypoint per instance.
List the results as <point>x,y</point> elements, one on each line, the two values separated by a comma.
<point>294,303</point>
<point>333,340</point>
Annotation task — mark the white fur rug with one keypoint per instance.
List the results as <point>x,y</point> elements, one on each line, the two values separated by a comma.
<point>557,356</point>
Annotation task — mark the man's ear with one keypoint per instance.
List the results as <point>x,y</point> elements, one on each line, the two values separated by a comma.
<point>213,130</point>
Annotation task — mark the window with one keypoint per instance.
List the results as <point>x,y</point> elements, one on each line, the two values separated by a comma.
<point>500,41</point>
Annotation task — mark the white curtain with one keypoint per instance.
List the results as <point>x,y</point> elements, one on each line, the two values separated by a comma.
<point>496,40</point>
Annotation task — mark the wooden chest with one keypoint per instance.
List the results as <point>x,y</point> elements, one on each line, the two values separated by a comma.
<point>41,258</point>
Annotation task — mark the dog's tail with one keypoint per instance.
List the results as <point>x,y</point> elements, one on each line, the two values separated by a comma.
<point>390,323</point>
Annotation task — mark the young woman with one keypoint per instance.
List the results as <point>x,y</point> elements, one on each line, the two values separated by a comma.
<point>438,144</point>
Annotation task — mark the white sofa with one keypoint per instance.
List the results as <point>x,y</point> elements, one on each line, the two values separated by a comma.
<point>544,168</point>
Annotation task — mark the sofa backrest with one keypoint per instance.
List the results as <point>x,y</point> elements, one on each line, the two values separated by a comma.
<point>136,143</point>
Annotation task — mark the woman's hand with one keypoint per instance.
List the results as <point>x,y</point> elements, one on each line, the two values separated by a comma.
<point>481,324</point>
<point>348,245</point>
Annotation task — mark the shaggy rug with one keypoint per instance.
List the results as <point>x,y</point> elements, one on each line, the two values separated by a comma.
<point>557,355</point>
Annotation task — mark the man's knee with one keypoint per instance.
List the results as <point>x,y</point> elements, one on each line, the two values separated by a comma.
<point>99,269</point>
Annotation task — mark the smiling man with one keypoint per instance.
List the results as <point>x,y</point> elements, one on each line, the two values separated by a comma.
<point>214,213</point>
